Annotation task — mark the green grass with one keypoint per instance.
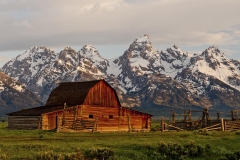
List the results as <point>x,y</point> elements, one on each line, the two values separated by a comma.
<point>28,144</point>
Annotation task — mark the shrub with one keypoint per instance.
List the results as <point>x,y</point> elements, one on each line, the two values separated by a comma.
<point>208,148</point>
<point>3,156</point>
<point>193,150</point>
<point>237,153</point>
<point>231,156</point>
<point>99,154</point>
<point>237,132</point>
<point>176,151</point>
<point>76,156</point>
<point>171,150</point>
<point>49,155</point>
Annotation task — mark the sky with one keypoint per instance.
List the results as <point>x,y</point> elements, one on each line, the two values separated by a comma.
<point>112,25</point>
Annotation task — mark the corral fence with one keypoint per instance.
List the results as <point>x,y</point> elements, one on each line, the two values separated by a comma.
<point>70,122</point>
<point>187,122</point>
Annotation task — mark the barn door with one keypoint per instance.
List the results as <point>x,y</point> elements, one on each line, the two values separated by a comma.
<point>144,123</point>
<point>52,122</point>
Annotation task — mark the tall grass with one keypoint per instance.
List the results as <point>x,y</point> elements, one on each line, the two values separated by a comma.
<point>30,144</point>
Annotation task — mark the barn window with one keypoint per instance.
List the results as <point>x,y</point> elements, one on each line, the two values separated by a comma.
<point>90,116</point>
<point>110,116</point>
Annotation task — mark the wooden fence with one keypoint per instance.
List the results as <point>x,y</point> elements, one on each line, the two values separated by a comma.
<point>79,124</point>
<point>204,122</point>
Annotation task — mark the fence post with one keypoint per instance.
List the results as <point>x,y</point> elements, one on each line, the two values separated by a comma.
<point>203,119</point>
<point>232,113</point>
<point>222,125</point>
<point>162,124</point>
<point>173,116</point>
<point>95,125</point>
<point>58,122</point>
<point>225,125</point>
<point>218,116</point>
<point>129,123</point>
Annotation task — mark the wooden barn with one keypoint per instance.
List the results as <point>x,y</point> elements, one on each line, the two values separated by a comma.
<point>81,106</point>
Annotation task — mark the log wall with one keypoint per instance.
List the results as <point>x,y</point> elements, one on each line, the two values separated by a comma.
<point>24,122</point>
<point>107,116</point>
<point>108,119</point>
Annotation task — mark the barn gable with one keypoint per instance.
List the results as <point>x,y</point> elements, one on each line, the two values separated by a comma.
<point>102,94</point>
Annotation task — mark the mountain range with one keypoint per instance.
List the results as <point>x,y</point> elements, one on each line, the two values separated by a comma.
<point>142,76</point>
<point>15,96</point>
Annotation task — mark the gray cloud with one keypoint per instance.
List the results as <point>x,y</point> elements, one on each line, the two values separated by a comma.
<point>59,23</point>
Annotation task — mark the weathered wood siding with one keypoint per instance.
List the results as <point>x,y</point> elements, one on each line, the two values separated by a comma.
<point>49,120</point>
<point>102,114</point>
<point>44,120</point>
<point>108,118</point>
<point>103,95</point>
<point>138,120</point>
<point>24,122</point>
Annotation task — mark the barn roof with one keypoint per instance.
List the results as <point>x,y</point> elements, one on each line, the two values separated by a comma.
<point>37,111</point>
<point>71,93</point>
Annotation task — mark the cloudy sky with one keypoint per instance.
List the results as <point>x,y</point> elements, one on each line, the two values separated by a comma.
<point>112,25</point>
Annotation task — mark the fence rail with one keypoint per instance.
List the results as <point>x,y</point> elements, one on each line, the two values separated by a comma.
<point>203,122</point>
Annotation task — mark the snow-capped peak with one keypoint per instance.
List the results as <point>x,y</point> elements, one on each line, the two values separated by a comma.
<point>68,48</point>
<point>175,46</point>
<point>212,51</point>
<point>141,47</point>
<point>176,51</point>
<point>89,51</point>
<point>143,38</point>
<point>213,48</point>
<point>68,54</point>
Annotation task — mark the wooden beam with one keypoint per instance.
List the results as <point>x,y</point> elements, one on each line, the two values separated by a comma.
<point>162,124</point>
<point>232,114</point>
<point>64,113</point>
<point>129,123</point>
<point>189,115</point>
<point>222,125</point>
<point>95,125</point>
<point>218,116</point>
<point>75,116</point>
<point>174,127</point>
<point>173,116</point>
<point>39,123</point>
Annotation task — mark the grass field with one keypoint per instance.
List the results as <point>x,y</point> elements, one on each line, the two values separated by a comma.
<point>30,144</point>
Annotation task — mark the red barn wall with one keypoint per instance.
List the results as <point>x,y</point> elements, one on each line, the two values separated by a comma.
<point>103,95</point>
<point>102,114</point>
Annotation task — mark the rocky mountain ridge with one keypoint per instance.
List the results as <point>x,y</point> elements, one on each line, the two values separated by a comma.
<point>15,96</point>
<point>142,76</point>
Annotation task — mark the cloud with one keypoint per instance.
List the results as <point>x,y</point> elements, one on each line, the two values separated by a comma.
<point>23,24</point>
<point>108,22</point>
<point>3,1</point>
<point>228,52</point>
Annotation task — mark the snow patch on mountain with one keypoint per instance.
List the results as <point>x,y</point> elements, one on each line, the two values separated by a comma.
<point>114,68</point>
